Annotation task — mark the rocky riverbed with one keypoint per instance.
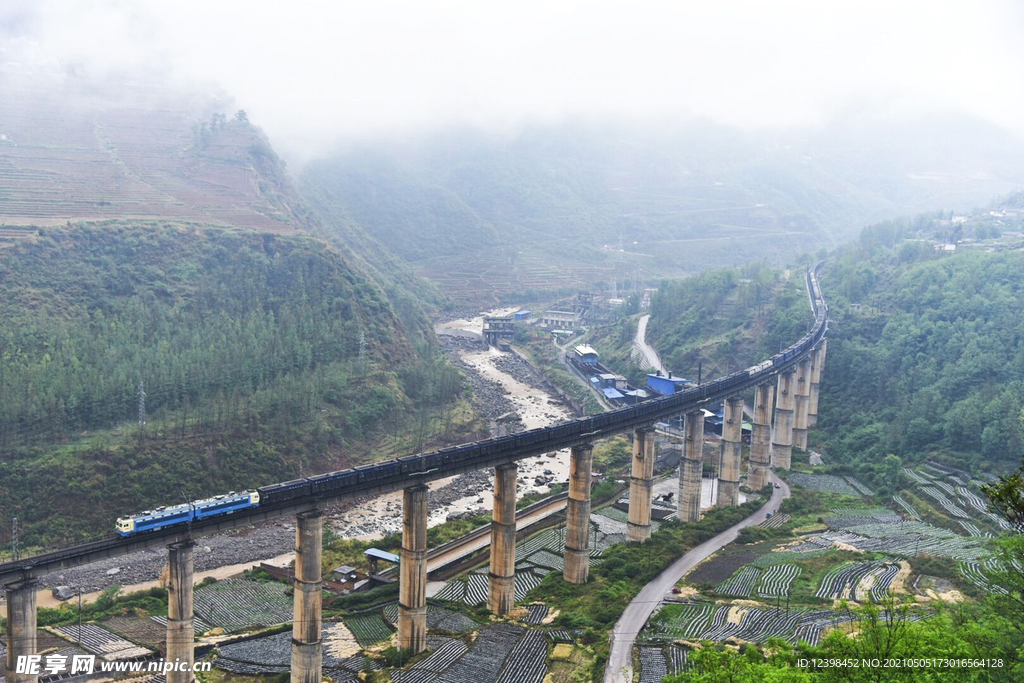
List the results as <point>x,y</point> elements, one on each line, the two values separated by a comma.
<point>246,545</point>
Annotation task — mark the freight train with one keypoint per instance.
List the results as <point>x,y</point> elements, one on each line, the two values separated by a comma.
<point>558,436</point>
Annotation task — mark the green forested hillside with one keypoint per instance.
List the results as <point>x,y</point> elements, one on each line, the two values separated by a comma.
<point>260,357</point>
<point>925,356</point>
<point>727,319</point>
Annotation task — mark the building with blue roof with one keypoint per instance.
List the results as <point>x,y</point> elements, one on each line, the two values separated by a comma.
<point>666,385</point>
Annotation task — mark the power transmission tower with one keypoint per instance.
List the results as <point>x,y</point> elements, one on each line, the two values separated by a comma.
<point>142,404</point>
<point>362,346</point>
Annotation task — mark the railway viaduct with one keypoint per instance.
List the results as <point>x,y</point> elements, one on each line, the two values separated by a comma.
<point>785,404</point>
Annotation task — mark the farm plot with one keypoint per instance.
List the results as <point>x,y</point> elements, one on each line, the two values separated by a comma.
<point>139,630</point>
<point>527,661</point>
<point>718,623</point>
<point>369,628</point>
<point>908,538</point>
<point>861,488</point>
<point>198,625</point>
<point>653,665</point>
<point>775,521</point>
<point>273,653</point>
<point>535,614</point>
<point>445,653</point>
<point>741,584</point>
<point>691,621</point>
<point>822,482</point>
<point>474,589</point>
<point>240,604</point>
<point>906,506</point>
<point>453,591</point>
<point>918,478</point>
<point>777,581</point>
<point>972,571</point>
<point>477,588</point>
<point>973,530</point>
<point>999,521</point>
<point>677,659</point>
<point>447,620</point>
<point>813,544</point>
<point>560,636</point>
<point>813,624</point>
<point>486,658</point>
<point>882,581</point>
<point>951,507</point>
<point>720,567</point>
<point>842,581</point>
<point>844,518</point>
<point>972,499</point>
<point>101,642</point>
<point>815,549</point>
<point>248,669</point>
<point>951,472</point>
<point>684,620</point>
<point>547,559</point>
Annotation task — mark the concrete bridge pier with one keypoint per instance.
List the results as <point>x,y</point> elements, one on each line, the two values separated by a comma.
<point>732,454</point>
<point>817,365</point>
<point>782,435</point>
<point>180,631</point>
<point>412,572</point>
<point>577,521</point>
<point>502,594</point>
<point>691,467</point>
<point>21,627</point>
<point>761,437</point>
<point>801,401</point>
<point>307,650</point>
<point>640,484</point>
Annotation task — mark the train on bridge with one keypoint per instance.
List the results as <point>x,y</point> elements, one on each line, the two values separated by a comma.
<point>333,484</point>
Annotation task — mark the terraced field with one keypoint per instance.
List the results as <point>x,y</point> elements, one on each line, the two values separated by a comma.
<point>907,507</point>
<point>777,581</point>
<point>842,581</point>
<point>741,584</point>
<point>822,482</point>
<point>69,157</point>
<point>950,507</point>
<point>705,621</point>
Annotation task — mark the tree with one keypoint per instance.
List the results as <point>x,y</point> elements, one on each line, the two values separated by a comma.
<point>892,469</point>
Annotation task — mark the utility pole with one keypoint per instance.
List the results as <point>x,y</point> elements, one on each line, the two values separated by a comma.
<point>14,540</point>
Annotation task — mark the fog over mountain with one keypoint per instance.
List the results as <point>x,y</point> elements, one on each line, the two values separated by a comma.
<point>690,134</point>
<point>394,67</point>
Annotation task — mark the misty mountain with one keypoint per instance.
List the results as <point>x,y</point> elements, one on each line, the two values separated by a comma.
<point>656,200</point>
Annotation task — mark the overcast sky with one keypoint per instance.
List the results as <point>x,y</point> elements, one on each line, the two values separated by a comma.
<point>313,73</point>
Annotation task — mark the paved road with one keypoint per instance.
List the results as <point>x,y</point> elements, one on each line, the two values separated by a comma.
<point>620,659</point>
<point>650,356</point>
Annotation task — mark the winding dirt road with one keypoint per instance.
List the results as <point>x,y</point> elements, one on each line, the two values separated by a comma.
<point>620,658</point>
<point>647,353</point>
